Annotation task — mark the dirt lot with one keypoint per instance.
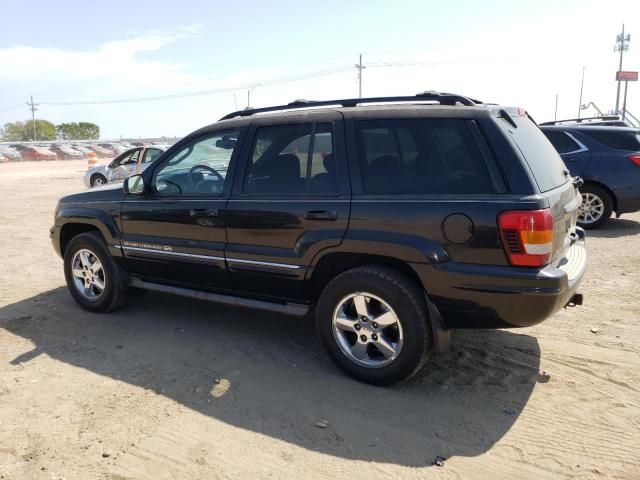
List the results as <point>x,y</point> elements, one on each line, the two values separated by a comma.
<point>172,388</point>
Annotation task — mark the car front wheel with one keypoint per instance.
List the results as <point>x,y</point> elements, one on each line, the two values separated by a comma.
<point>93,277</point>
<point>98,180</point>
<point>373,322</point>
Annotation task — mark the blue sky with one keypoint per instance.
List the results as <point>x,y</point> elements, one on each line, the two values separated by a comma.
<point>520,53</point>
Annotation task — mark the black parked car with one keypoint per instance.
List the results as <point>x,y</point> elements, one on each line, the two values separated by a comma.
<point>394,218</point>
<point>607,158</point>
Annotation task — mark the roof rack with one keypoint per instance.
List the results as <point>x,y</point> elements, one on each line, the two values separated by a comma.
<point>609,118</point>
<point>428,96</point>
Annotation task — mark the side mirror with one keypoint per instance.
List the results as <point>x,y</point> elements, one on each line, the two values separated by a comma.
<point>134,185</point>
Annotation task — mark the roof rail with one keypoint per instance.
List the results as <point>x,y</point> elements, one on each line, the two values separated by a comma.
<point>428,96</point>
<point>608,118</point>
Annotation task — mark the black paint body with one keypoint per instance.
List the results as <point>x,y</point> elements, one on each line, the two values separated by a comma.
<point>269,247</point>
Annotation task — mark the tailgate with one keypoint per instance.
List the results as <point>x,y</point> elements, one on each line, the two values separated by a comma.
<point>564,202</point>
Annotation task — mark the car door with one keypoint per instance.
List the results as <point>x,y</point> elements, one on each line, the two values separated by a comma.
<point>123,166</point>
<point>176,232</point>
<point>148,157</point>
<point>573,152</point>
<point>290,201</point>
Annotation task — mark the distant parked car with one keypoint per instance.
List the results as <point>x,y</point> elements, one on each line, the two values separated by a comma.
<point>38,153</point>
<point>65,152</point>
<point>10,153</point>
<point>608,160</point>
<point>101,152</point>
<point>82,149</point>
<point>18,146</point>
<point>116,148</point>
<point>129,163</point>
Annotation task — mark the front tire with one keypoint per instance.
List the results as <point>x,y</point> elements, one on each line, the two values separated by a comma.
<point>596,207</point>
<point>93,278</point>
<point>373,322</point>
<point>98,180</point>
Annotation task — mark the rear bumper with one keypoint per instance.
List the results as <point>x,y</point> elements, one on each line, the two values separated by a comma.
<point>487,296</point>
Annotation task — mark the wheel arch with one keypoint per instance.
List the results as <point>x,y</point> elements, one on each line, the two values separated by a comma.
<point>333,264</point>
<point>76,220</point>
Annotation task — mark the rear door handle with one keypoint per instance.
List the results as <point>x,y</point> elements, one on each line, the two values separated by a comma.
<point>321,215</point>
<point>203,213</point>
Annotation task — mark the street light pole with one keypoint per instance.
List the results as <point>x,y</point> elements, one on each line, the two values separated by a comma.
<point>581,89</point>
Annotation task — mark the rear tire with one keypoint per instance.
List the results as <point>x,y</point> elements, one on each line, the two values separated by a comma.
<point>596,207</point>
<point>93,278</point>
<point>391,341</point>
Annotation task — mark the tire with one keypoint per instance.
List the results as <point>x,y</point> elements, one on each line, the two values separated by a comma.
<point>98,180</point>
<point>596,207</point>
<point>112,295</point>
<point>411,335</point>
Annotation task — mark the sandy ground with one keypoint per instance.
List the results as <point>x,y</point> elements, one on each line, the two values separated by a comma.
<point>171,388</point>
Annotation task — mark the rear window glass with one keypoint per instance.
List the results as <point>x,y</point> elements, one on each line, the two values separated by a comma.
<point>621,140</point>
<point>421,156</point>
<point>543,159</point>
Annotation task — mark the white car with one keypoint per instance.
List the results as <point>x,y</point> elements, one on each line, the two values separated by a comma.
<point>129,163</point>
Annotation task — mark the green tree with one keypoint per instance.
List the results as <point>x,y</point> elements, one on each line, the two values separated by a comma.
<point>23,131</point>
<point>78,131</point>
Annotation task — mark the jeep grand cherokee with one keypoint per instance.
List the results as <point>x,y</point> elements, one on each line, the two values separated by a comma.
<point>394,219</point>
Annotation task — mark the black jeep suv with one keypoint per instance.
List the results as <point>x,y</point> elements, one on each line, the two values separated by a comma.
<point>396,218</point>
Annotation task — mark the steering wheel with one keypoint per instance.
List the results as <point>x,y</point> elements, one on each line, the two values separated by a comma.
<point>203,167</point>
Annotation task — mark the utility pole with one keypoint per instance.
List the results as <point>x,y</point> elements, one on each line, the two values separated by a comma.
<point>360,67</point>
<point>32,107</point>
<point>622,45</point>
<point>555,114</point>
<point>581,88</point>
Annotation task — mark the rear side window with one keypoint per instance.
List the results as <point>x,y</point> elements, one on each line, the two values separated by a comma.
<point>543,159</point>
<point>421,156</point>
<point>292,159</point>
<point>562,142</point>
<point>621,140</point>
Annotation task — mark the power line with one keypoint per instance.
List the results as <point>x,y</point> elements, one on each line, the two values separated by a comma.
<point>212,91</point>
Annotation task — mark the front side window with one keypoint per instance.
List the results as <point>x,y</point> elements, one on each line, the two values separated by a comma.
<point>151,154</point>
<point>421,156</point>
<point>198,168</point>
<point>293,159</point>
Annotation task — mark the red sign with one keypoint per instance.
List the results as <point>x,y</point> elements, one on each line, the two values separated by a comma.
<point>627,76</point>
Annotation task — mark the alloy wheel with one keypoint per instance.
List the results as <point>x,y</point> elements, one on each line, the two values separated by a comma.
<point>88,274</point>
<point>591,208</point>
<point>367,330</point>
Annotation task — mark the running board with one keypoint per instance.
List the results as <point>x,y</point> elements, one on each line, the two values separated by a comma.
<point>295,309</point>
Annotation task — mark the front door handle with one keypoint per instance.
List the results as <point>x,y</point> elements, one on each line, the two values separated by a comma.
<point>321,215</point>
<point>203,213</point>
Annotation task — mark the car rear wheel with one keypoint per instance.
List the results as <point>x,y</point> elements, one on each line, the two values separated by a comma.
<point>373,322</point>
<point>596,207</point>
<point>98,180</point>
<point>93,278</point>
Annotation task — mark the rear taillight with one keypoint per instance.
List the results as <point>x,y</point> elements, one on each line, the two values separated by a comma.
<point>527,236</point>
<point>635,159</point>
